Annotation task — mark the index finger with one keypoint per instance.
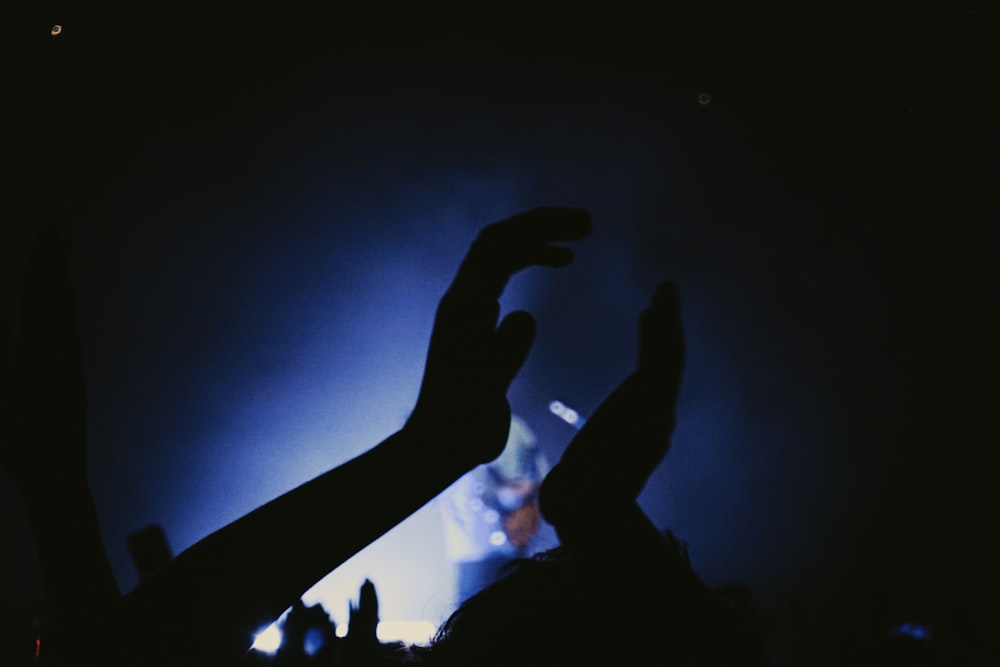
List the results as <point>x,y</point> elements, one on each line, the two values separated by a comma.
<point>506,247</point>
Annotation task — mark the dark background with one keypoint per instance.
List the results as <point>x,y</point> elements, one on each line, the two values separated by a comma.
<point>266,207</point>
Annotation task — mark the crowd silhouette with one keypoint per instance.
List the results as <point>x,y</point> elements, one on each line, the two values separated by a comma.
<point>586,601</point>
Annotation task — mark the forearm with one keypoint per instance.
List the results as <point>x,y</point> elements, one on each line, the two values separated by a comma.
<point>80,589</point>
<point>246,574</point>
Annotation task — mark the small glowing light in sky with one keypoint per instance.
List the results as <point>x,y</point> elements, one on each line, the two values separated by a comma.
<point>704,99</point>
<point>56,29</point>
<point>269,640</point>
<point>497,538</point>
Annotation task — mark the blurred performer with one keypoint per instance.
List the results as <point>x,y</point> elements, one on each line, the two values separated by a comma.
<point>490,514</point>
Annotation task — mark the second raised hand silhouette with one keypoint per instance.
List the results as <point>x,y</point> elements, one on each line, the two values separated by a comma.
<point>631,427</point>
<point>205,605</point>
<point>611,555</point>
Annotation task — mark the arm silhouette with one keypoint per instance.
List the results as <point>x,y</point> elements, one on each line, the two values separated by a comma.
<point>44,448</point>
<point>214,595</point>
<point>590,498</point>
<point>590,494</point>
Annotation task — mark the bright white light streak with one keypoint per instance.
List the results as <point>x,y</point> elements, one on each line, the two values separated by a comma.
<point>269,640</point>
<point>566,413</point>
<point>408,632</point>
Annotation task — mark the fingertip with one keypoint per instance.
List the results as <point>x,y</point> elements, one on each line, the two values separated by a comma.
<point>578,222</point>
<point>667,296</point>
<point>586,222</point>
<point>563,223</point>
<point>554,256</point>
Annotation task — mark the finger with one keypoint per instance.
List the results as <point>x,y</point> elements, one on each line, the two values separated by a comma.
<point>512,343</point>
<point>667,298</point>
<point>661,336</point>
<point>544,224</point>
<point>506,247</point>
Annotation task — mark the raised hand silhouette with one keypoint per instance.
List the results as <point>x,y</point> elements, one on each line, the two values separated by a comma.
<point>206,604</point>
<point>628,435</point>
<point>472,360</point>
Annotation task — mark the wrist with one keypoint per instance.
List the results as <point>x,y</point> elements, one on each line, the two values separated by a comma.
<point>467,439</point>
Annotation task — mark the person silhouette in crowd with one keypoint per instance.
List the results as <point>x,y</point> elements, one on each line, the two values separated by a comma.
<point>204,606</point>
<point>308,635</point>
<point>149,549</point>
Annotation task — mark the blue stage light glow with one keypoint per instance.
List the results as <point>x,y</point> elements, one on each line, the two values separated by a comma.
<point>916,631</point>
<point>313,642</point>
